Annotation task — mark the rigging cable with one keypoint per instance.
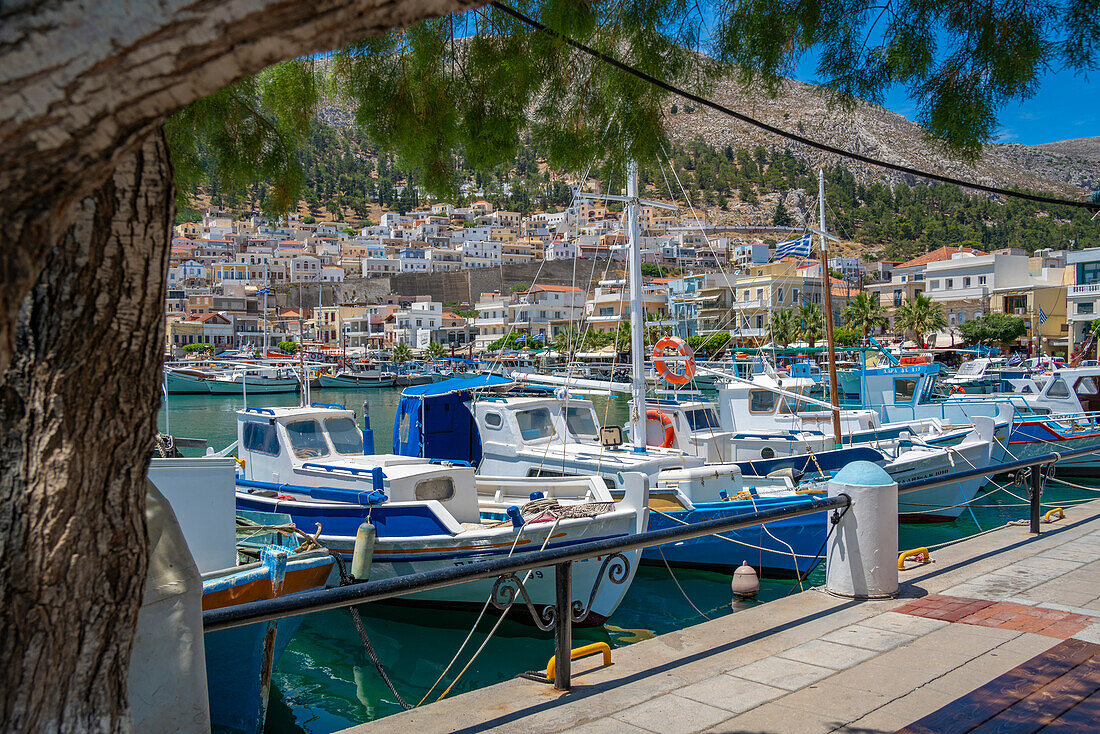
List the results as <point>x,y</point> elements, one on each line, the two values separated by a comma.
<point>611,61</point>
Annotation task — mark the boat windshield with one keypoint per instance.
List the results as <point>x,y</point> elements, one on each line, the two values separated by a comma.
<point>346,438</point>
<point>701,419</point>
<point>968,369</point>
<point>535,424</point>
<point>580,422</point>
<point>307,439</point>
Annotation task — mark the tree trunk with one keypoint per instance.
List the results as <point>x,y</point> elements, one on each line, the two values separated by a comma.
<point>86,199</point>
<point>78,408</point>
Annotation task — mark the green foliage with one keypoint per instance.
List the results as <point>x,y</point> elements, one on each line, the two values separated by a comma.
<point>466,313</point>
<point>865,314</point>
<point>845,336</point>
<point>521,287</point>
<point>309,220</point>
<point>919,318</point>
<point>782,217</point>
<point>187,215</point>
<point>435,350</point>
<point>653,270</point>
<point>246,136</point>
<point>401,353</point>
<point>994,328</point>
<point>288,347</point>
<point>199,348</point>
<point>811,323</point>
<point>961,62</point>
<point>783,327</point>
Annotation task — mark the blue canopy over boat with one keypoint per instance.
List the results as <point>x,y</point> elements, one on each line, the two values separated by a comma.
<point>433,421</point>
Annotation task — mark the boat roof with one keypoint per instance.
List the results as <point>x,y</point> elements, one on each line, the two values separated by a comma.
<point>296,411</point>
<point>457,384</point>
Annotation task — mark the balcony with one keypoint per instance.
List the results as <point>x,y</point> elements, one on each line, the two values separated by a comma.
<point>1088,289</point>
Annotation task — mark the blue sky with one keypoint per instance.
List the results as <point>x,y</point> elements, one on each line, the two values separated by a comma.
<point>1066,105</point>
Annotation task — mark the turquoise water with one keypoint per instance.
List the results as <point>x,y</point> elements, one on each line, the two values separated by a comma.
<point>325,682</point>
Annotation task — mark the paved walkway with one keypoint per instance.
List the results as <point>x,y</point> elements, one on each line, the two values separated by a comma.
<point>816,663</point>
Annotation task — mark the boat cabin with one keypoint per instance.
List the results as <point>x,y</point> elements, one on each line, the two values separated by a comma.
<point>749,410</point>
<point>317,453</point>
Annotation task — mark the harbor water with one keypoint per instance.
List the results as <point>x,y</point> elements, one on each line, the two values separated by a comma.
<point>325,681</point>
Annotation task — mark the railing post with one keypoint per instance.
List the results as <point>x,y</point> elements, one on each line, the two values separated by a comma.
<point>1035,495</point>
<point>563,633</point>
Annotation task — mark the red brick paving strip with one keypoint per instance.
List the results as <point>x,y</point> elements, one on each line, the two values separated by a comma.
<point>999,614</point>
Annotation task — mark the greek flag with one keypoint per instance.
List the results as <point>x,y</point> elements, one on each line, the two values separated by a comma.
<point>800,247</point>
<point>1042,316</point>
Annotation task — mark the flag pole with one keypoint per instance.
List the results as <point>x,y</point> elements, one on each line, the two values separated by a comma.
<point>827,284</point>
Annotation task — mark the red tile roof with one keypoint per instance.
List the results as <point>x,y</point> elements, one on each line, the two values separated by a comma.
<point>555,288</point>
<point>943,253</point>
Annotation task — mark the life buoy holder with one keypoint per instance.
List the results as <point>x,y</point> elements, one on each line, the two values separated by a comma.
<point>670,375</point>
<point>653,414</point>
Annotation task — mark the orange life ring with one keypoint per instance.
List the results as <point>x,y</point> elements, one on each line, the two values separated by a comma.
<point>671,376</point>
<point>666,422</point>
<point>956,389</point>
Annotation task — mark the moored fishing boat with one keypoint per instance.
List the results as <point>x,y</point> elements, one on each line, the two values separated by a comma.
<point>254,379</point>
<point>357,379</point>
<point>310,463</point>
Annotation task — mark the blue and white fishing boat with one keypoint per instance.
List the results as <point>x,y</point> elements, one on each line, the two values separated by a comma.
<point>312,463</point>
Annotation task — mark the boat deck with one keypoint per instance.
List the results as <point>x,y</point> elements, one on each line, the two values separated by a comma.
<point>1003,626</point>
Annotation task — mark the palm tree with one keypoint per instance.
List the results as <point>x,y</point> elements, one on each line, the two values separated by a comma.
<point>783,327</point>
<point>919,318</point>
<point>811,323</point>
<point>401,353</point>
<point>435,350</point>
<point>566,341</point>
<point>864,313</point>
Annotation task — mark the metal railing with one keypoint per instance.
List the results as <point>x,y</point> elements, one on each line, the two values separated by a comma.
<point>559,617</point>
<point>565,611</point>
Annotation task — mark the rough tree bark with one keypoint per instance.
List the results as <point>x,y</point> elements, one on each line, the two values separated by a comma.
<point>86,199</point>
<point>78,409</point>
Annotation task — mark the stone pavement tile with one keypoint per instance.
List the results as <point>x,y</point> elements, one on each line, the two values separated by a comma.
<point>615,698</point>
<point>975,673</point>
<point>828,654</point>
<point>672,714</point>
<point>839,702</point>
<point>899,713</point>
<point>608,725</point>
<point>730,693</point>
<point>1089,634</point>
<point>1084,611</point>
<point>1051,565</point>
<point>892,680</point>
<point>775,718</point>
<point>907,624</point>
<point>964,639</point>
<point>868,637</point>
<point>1062,553</point>
<point>782,673</point>
<point>1080,596</point>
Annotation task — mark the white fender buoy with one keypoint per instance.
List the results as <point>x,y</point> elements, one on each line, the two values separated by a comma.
<point>745,581</point>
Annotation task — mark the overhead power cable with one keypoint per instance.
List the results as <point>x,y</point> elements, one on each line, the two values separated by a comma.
<point>1039,198</point>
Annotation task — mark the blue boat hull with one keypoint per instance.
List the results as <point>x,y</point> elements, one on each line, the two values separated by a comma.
<point>787,548</point>
<point>239,661</point>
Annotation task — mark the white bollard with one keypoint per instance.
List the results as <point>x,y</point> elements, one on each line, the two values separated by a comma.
<point>862,559</point>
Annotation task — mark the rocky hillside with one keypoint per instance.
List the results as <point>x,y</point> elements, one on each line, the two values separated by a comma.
<point>1076,161</point>
<point>1067,168</point>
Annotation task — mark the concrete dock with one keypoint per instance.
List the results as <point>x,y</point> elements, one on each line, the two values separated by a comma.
<point>813,662</point>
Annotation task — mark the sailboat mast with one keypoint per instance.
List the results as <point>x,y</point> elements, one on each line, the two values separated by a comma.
<point>827,286</point>
<point>637,310</point>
